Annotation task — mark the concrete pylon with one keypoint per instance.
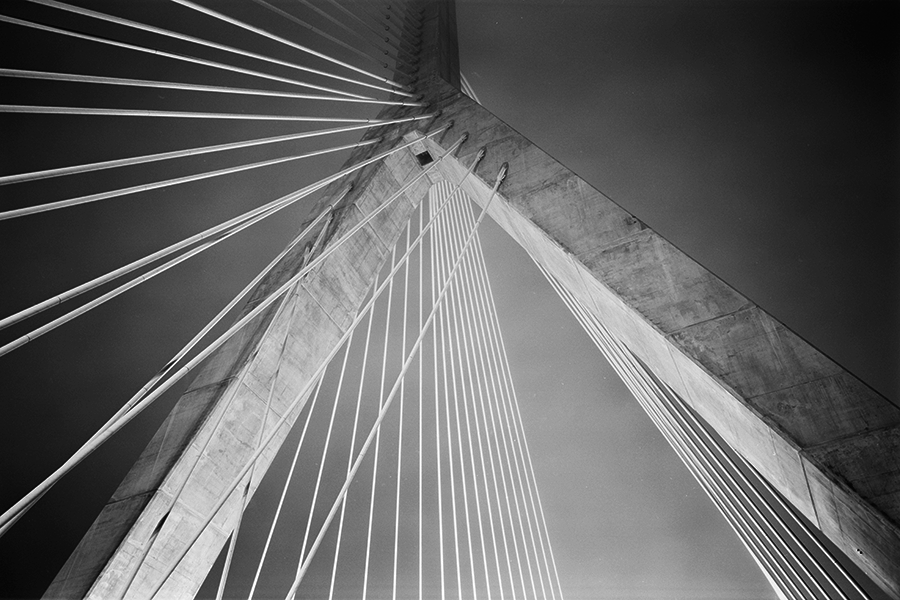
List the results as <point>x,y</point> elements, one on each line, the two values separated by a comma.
<point>825,440</point>
<point>213,430</point>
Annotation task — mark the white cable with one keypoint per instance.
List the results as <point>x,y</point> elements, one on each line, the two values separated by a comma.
<point>306,388</point>
<point>458,391</point>
<point>155,185</point>
<point>408,360</point>
<point>437,412</point>
<point>396,45</point>
<point>536,509</point>
<point>233,542</point>
<point>321,33</point>
<point>618,359</point>
<point>138,401</point>
<point>284,489</point>
<point>147,158</point>
<point>395,89</point>
<point>16,511</point>
<point>468,89</point>
<point>354,32</point>
<point>216,417</point>
<point>491,305</point>
<point>400,426</point>
<point>300,396</point>
<point>222,235</point>
<point>178,57</point>
<point>514,456</point>
<point>387,329</point>
<point>502,436</point>
<point>337,397</point>
<point>462,338</point>
<point>193,87</point>
<point>490,370</point>
<point>222,47</point>
<point>420,447</point>
<point>443,316</point>
<point>350,455</point>
<point>526,482</point>
<point>480,377</point>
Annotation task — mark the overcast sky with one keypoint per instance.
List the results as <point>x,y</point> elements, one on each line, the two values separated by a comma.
<point>760,138</point>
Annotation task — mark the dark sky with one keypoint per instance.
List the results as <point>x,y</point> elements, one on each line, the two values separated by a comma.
<point>762,139</point>
<point>759,137</point>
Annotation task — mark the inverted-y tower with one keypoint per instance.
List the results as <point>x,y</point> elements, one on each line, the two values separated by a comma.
<point>825,440</point>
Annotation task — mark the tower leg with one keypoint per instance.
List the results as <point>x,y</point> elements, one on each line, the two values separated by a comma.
<point>212,432</point>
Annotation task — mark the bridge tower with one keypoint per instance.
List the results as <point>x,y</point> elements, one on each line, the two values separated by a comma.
<point>824,440</point>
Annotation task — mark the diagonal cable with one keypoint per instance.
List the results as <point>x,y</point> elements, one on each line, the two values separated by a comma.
<point>298,398</point>
<point>408,360</point>
<point>230,49</point>
<point>319,32</point>
<point>350,30</point>
<point>193,87</point>
<point>16,510</point>
<point>264,210</point>
<point>147,158</point>
<point>397,88</point>
<point>174,56</point>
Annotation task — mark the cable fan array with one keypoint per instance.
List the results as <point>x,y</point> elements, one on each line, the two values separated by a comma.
<point>237,73</point>
<point>777,538</point>
<point>470,542</point>
<point>410,475</point>
<point>63,36</point>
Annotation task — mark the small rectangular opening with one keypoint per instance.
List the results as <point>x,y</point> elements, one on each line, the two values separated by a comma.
<point>424,158</point>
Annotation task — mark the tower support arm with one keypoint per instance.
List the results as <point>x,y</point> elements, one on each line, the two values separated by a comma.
<point>828,442</point>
